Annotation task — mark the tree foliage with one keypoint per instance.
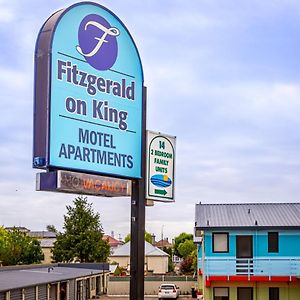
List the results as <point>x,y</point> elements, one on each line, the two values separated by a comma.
<point>194,255</point>
<point>186,248</point>
<point>186,265</point>
<point>82,236</point>
<point>148,237</point>
<point>51,228</point>
<point>170,258</point>
<point>189,263</point>
<point>17,248</point>
<point>181,239</point>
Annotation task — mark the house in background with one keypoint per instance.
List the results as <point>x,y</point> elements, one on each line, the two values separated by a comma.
<point>176,260</point>
<point>113,243</point>
<point>248,251</point>
<point>164,243</point>
<point>156,260</point>
<point>19,228</point>
<point>46,239</point>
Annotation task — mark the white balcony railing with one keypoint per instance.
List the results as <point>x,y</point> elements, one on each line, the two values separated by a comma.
<point>252,266</point>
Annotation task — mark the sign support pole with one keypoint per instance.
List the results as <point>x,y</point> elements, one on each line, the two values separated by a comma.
<point>137,247</point>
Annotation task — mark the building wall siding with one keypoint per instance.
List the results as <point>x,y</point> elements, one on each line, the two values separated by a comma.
<point>84,288</point>
<point>16,294</point>
<point>72,289</point>
<point>287,241</point>
<point>123,261</point>
<point>81,289</point>
<point>42,294</point>
<point>30,293</point>
<point>2,295</point>
<point>158,264</point>
<point>260,290</point>
<point>47,255</point>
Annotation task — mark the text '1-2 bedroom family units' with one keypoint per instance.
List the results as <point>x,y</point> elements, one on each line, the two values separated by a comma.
<point>248,251</point>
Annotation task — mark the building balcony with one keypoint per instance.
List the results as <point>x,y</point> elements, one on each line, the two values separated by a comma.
<point>252,269</point>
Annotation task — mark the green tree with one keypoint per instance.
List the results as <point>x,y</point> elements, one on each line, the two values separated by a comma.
<point>170,258</point>
<point>181,239</point>
<point>51,228</point>
<point>148,237</point>
<point>4,246</point>
<point>186,248</point>
<point>17,248</point>
<point>194,255</point>
<point>32,251</point>
<point>82,236</point>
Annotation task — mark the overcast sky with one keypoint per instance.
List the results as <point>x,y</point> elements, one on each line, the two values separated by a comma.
<point>222,76</point>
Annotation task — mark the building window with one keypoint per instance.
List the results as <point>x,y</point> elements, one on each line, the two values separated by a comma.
<point>273,242</point>
<point>221,293</point>
<point>244,293</point>
<point>220,242</point>
<point>274,293</point>
<point>198,233</point>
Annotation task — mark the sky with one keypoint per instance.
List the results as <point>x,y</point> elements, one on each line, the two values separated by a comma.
<point>222,76</point>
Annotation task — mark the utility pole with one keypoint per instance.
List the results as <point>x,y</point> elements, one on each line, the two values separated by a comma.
<point>162,233</point>
<point>138,203</point>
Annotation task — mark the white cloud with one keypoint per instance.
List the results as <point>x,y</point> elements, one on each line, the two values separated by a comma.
<point>6,13</point>
<point>259,102</point>
<point>235,118</point>
<point>14,79</point>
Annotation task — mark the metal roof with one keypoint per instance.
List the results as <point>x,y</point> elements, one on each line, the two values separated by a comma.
<point>42,234</point>
<point>20,278</point>
<point>150,250</point>
<point>258,215</point>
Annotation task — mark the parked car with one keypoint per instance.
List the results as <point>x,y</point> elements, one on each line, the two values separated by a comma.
<point>168,291</point>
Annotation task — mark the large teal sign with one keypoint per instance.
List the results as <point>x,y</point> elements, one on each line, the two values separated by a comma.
<point>94,100</point>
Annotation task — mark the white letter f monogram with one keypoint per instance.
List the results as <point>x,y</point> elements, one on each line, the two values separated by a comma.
<point>106,31</point>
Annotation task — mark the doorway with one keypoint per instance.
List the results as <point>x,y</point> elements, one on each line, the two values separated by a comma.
<point>244,293</point>
<point>98,286</point>
<point>53,291</point>
<point>87,288</point>
<point>244,254</point>
<point>63,291</point>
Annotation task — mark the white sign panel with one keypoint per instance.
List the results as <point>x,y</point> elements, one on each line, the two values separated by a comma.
<point>160,167</point>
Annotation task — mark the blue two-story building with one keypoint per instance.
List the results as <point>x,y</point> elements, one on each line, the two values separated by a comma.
<point>248,251</point>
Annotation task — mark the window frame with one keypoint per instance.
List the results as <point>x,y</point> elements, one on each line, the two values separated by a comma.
<point>213,242</point>
<point>221,287</point>
<point>271,248</point>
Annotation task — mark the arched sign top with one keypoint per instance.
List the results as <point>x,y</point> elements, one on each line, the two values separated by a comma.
<point>95,27</point>
<point>89,84</point>
<point>160,167</point>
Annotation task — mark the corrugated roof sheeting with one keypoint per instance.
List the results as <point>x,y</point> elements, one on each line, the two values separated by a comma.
<point>42,234</point>
<point>12,279</point>
<point>248,215</point>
